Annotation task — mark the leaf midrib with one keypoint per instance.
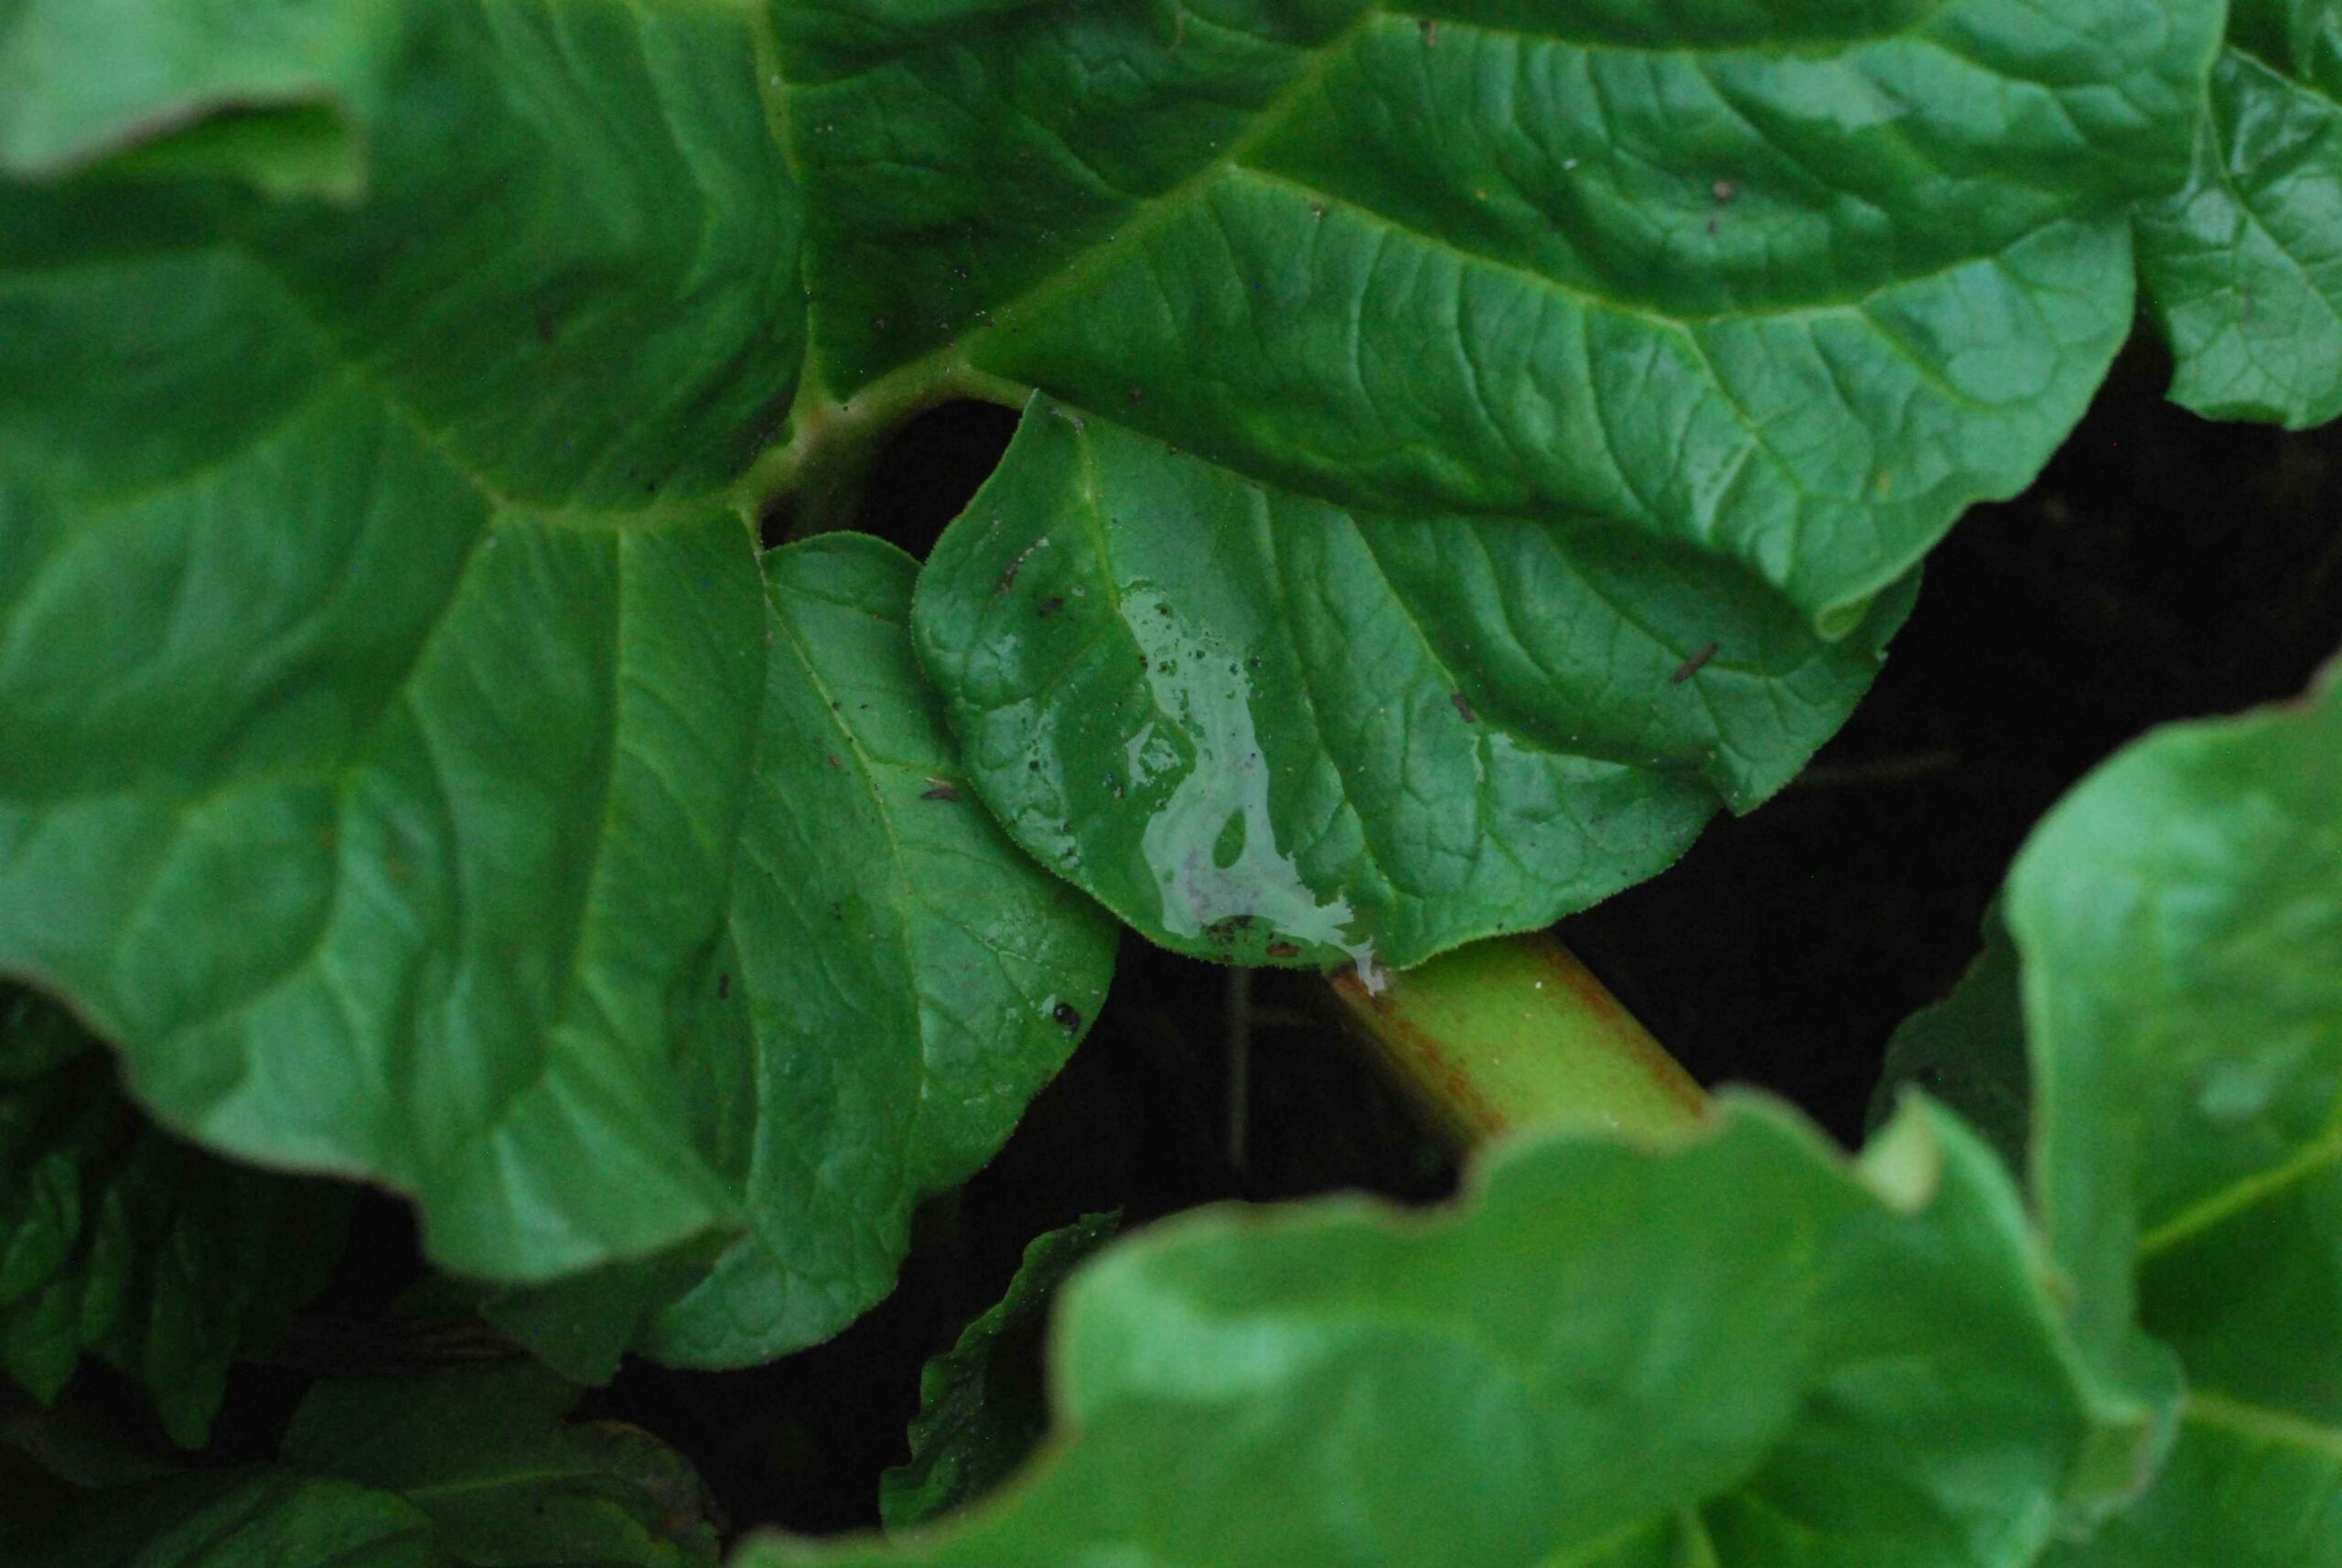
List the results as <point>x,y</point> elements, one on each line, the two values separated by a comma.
<point>344,369</point>
<point>2300,83</point>
<point>2241,1197</point>
<point>965,347</point>
<point>2263,1423</point>
<point>774,1235</point>
<point>1145,215</point>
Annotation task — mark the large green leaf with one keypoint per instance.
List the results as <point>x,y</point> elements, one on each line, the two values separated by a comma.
<point>2179,918</point>
<point>380,666</point>
<point>2243,266</point>
<point>1561,404</point>
<point>1731,1351</point>
<point>407,764</point>
<point>123,1242</point>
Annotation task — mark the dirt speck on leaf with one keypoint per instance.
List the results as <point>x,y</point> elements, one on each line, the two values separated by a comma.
<point>1691,666</point>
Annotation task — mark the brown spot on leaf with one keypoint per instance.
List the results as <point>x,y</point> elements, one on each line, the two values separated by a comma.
<point>1223,930</point>
<point>1691,666</point>
<point>940,790</point>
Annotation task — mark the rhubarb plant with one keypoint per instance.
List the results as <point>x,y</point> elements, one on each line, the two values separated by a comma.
<point>457,734</point>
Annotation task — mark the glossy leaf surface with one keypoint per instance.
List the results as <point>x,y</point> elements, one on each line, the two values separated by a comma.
<point>1260,726</point>
<point>2180,921</point>
<point>120,1241</point>
<point>1731,1350</point>
<point>1560,405</point>
<point>2243,266</point>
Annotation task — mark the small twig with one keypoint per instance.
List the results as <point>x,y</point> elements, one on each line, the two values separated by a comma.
<point>1240,1066</point>
<point>1893,767</point>
<point>354,1347</point>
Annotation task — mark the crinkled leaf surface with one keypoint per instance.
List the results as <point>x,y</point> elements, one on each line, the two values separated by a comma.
<point>405,762</point>
<point>2243,266</point>
<point>917,980</point>
<point>1518,361</point>
<point>125,1244</point>
<point>982,1409</point>
<point>486,1456</point>
<point>380,664</point>
<point>2179,918</point>
<point>1731,1351</point>
<point>1261,727</point>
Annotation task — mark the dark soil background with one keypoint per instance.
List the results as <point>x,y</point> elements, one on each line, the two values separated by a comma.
<point>2162,568</point>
